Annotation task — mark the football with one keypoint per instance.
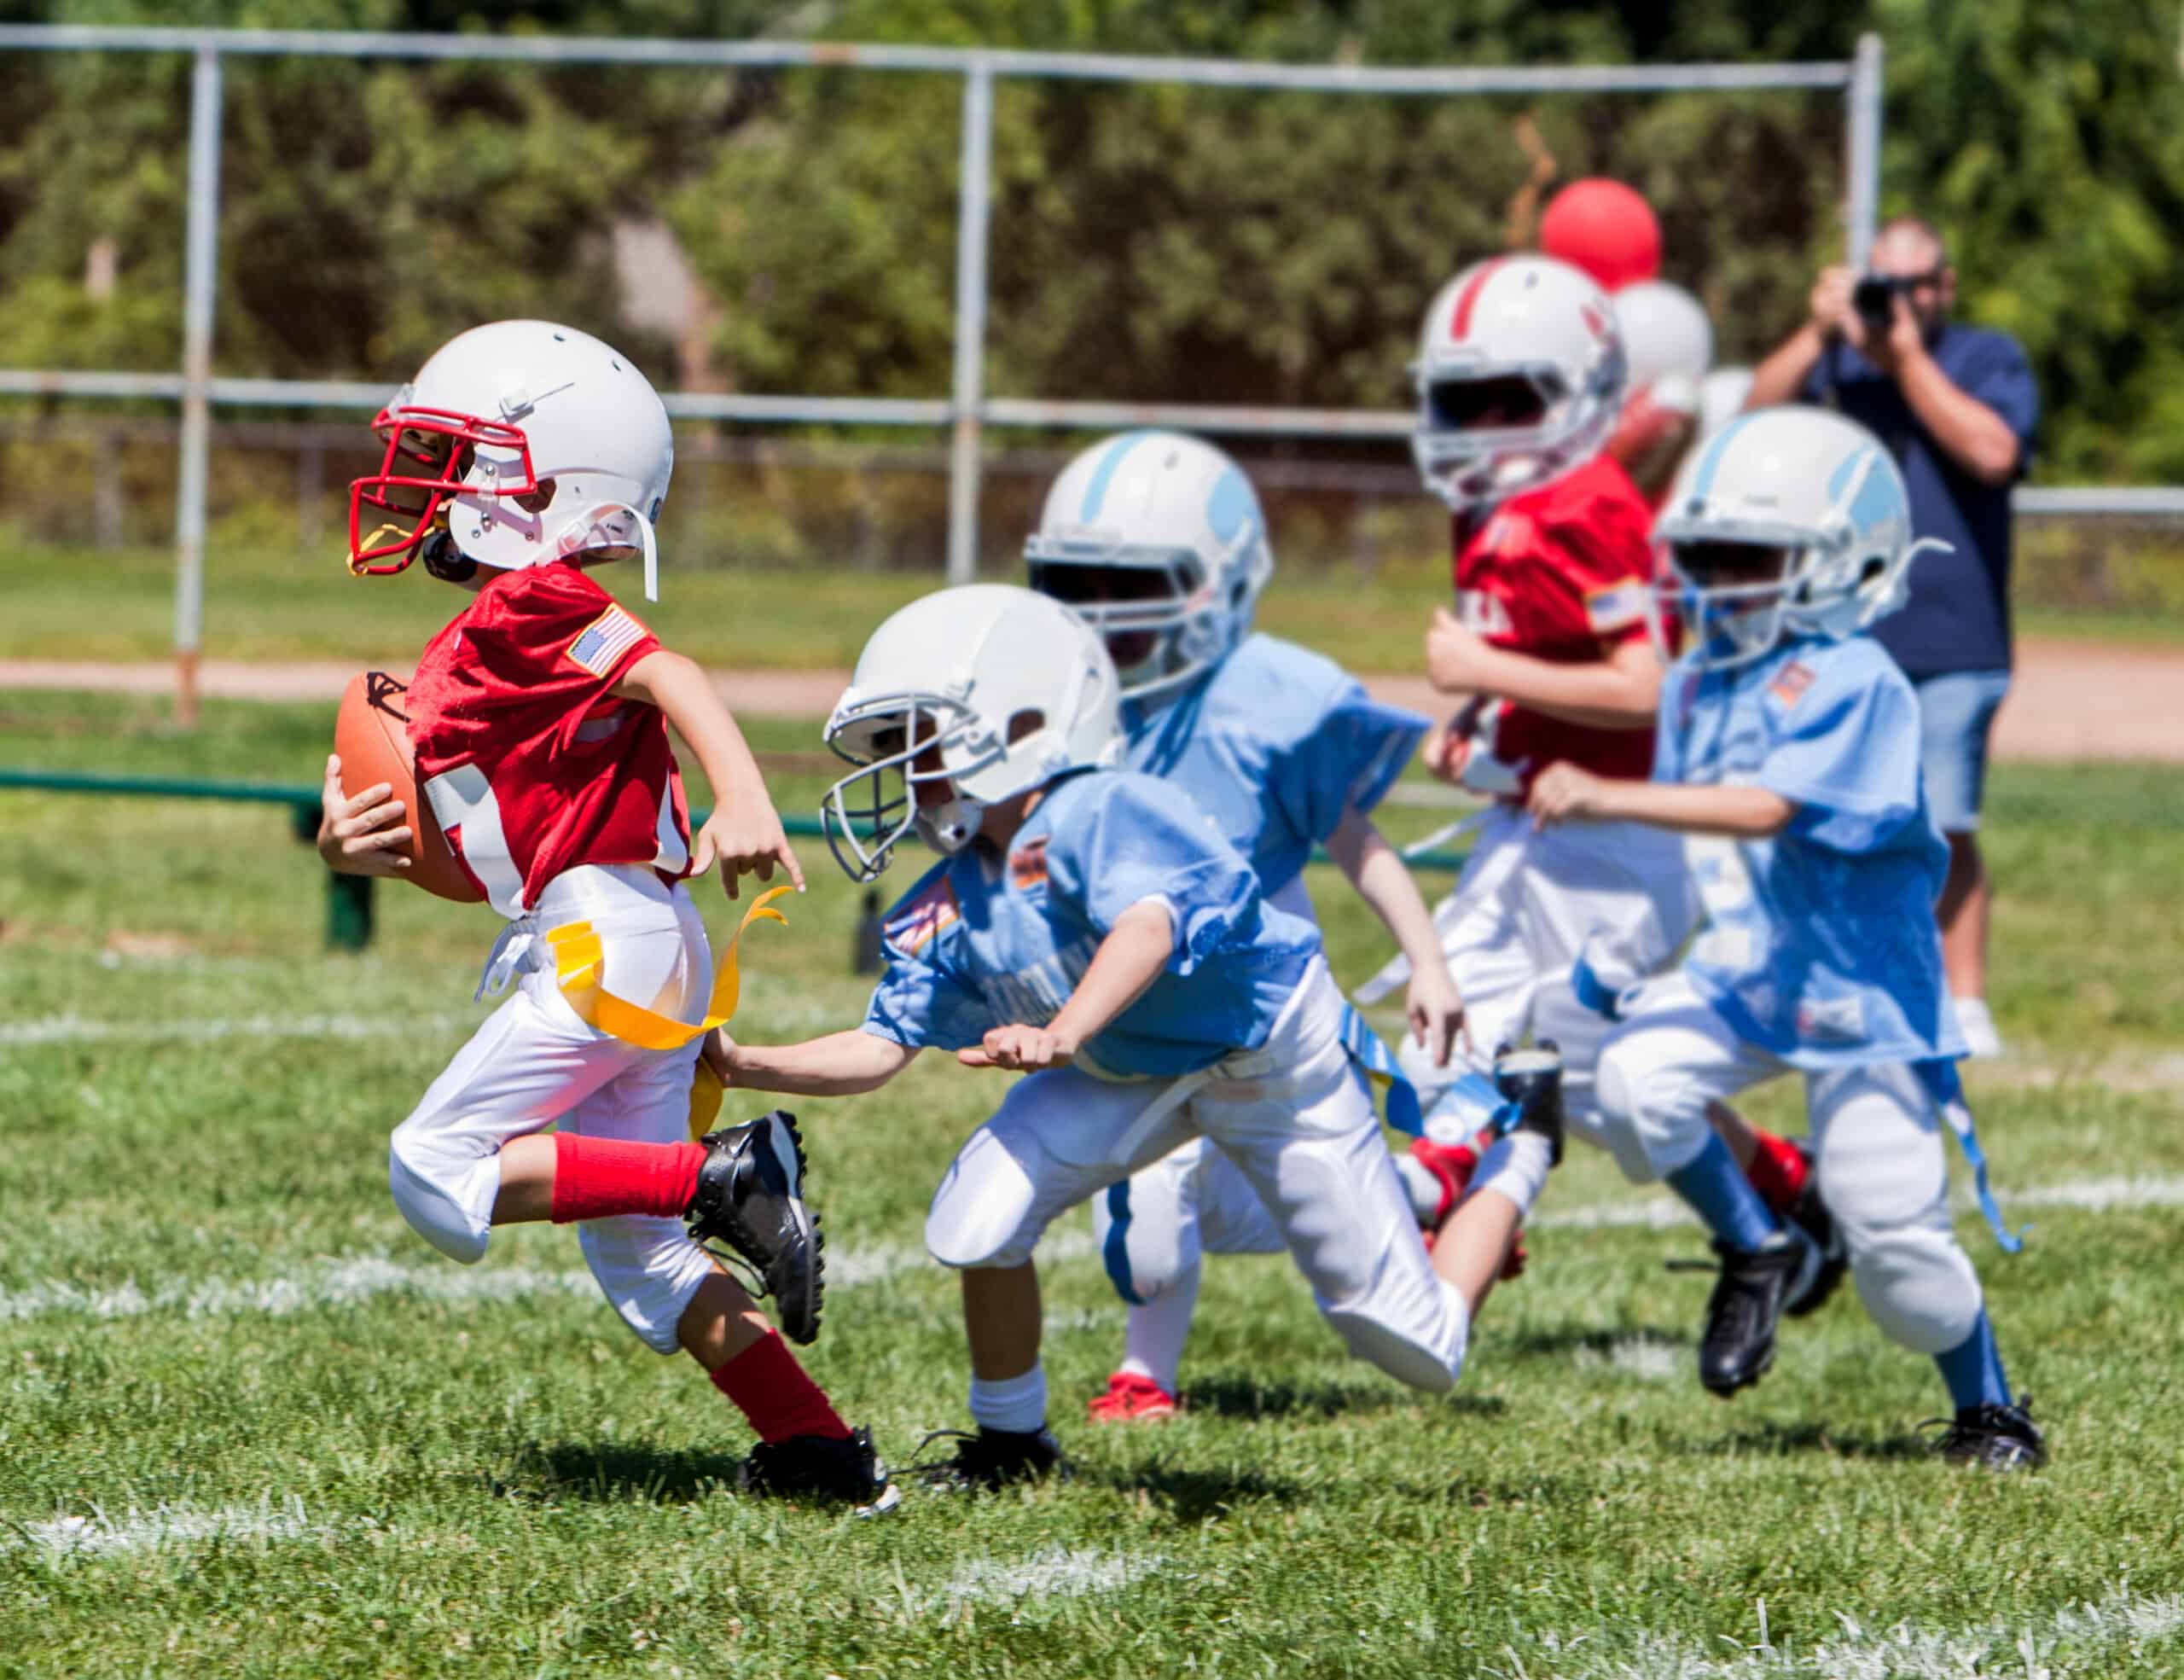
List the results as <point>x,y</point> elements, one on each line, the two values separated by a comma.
<point>371,734</point>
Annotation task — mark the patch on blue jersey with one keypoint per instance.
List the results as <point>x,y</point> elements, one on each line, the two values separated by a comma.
<point>1791,682</point>
<point>1027,866</point>
<point>923,919</point>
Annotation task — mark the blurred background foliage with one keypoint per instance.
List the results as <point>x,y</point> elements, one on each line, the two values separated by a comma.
<point>794,231</point>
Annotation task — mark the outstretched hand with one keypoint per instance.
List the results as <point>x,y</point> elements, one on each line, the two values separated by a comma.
<point>744,842</point>
<point>1020,1049</point>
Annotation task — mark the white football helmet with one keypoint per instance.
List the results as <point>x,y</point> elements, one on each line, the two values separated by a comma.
<point>1520,374</point>
<point>1787,520</point>
<point>1159,541</point>
<point>1665,332</point>
<point>960,701</point>
<point>517,442</point>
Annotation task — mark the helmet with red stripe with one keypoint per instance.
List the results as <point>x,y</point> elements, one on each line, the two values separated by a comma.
<point>1519,376</point>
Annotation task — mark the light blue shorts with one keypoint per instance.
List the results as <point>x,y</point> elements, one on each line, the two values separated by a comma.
<point>1956,716</point>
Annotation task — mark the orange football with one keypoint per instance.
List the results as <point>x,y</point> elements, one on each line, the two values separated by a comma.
<point>372,735</point>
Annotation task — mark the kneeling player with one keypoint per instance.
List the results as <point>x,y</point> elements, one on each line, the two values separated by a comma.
<point>522,454</point>
<point>1787,753</point>
<point>1089,927</point>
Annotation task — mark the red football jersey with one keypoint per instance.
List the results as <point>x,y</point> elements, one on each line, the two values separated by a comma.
<point>530,763</point>
<point>1560,573</point>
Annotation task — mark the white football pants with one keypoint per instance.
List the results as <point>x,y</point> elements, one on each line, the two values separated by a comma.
<point>1297,1121</point>
<point>532,1064</point>
<point>1880,1160</point>
<point>1528,902</point>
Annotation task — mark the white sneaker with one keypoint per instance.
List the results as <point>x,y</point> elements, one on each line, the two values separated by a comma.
<point>1980,1038</point>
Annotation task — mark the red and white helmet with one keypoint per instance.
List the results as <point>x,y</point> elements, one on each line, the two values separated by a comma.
<point>1519,376</point>
<point>519,443</point>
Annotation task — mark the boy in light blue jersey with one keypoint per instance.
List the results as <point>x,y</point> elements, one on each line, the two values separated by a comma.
<point>1788,752</point>
<point>1090,928</point>
<point>1159,541</point>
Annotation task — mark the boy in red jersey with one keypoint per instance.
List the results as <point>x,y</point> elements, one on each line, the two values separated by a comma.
<point>1520,378</point>
<point>523,452</point>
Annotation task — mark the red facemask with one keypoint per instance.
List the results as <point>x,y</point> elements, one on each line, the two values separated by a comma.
<point>429,451</point>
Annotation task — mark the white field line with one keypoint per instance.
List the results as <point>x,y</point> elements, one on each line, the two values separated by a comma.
<point>2072,1641</point>
<point>80,1029</point>
<point>101,1535</point>
<point>2092,1195</point>
<point>1638,1356</point>
<point>1024,1583</point>
<point>351,1281</point>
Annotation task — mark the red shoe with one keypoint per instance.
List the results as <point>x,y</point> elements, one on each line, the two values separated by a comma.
<point>1453,1163</point>
<point>1132,1399</point>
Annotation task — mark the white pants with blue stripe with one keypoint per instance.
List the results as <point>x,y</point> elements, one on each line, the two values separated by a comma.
<point>1878,1157</point>
<point>1296,1123</point>
<point>532,1064</point>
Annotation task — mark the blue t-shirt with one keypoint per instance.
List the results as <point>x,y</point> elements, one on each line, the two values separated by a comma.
<point>1275,744</point>
<point>1958,617</point>
<point>983,940</point>
<point>1819,944</point>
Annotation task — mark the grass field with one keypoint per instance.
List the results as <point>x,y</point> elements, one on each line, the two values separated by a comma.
<point>274,604</point>
<point>249,1425</point>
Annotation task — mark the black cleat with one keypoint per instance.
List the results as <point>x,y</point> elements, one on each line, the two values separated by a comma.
<point>750,1196</point>
<point>1810,1215</point>
<point>815,1466</point>
<point>1746,1303</point>
<point>1532,1080</point>
<point>991,1458</point>
<point>1994,1437</point>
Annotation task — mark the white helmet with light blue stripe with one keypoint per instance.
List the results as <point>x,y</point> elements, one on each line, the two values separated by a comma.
<point>1159,540</point>
<point>1788,520</point>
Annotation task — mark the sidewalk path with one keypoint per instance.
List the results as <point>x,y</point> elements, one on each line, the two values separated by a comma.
<point>2073,701</point>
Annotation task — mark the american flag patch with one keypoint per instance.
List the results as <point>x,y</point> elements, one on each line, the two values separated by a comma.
<point>1791,682</point>
<point>605,640</point>
<point>1616,607</point>
<point>918,923</point>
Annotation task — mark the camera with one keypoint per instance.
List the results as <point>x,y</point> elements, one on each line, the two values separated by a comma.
<point>1873,299</point>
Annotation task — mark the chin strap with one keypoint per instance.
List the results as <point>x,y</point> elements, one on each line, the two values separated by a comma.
<point>589,527</point>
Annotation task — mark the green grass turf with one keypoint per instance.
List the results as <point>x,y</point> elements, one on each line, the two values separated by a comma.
<point>213,1317</point>
<point>274,604</point>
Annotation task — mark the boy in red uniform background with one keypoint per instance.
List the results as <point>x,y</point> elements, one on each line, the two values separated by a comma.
<point>1520,379</point>
<point>523,452</point>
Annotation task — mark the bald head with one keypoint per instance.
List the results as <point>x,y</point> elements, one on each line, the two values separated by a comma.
<point>1907,245</point>
<point>1911,250</point>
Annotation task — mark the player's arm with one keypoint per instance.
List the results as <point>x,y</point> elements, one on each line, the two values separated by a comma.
<point>1435,1007</point>
<point>744,831</point>
<point>840,1064</point>
<point>1620,690</point>
<point>1566,793</point>
<point>1128,960</point>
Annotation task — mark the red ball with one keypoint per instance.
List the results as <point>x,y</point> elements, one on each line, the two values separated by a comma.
<point>1604,227</point>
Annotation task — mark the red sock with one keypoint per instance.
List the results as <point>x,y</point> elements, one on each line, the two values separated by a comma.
<point>1777,1171</point>
<point>598,1177</point>
<point>771,1389</point>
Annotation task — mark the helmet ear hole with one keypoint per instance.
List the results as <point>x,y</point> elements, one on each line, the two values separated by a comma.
<point>1028,722</point>
<point>538,500</point>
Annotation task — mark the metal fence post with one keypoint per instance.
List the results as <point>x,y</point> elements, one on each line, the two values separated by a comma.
<point>201,278</point>
<point>1861,150</point>
<point>974,175</point>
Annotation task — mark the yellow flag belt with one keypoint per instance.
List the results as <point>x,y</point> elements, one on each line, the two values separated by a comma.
<point>578,961</point>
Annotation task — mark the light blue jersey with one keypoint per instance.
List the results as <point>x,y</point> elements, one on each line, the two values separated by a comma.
<point>1275,743</point>
<point>1820,946</point>
<point>983,941</point>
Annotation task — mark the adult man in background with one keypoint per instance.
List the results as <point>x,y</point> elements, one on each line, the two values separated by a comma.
<point>1956,406</point>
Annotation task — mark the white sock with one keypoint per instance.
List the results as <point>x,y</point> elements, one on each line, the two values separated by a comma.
<point>1154,1344</point>
<point>1016,1403</point>
<point>1517,1167</point>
